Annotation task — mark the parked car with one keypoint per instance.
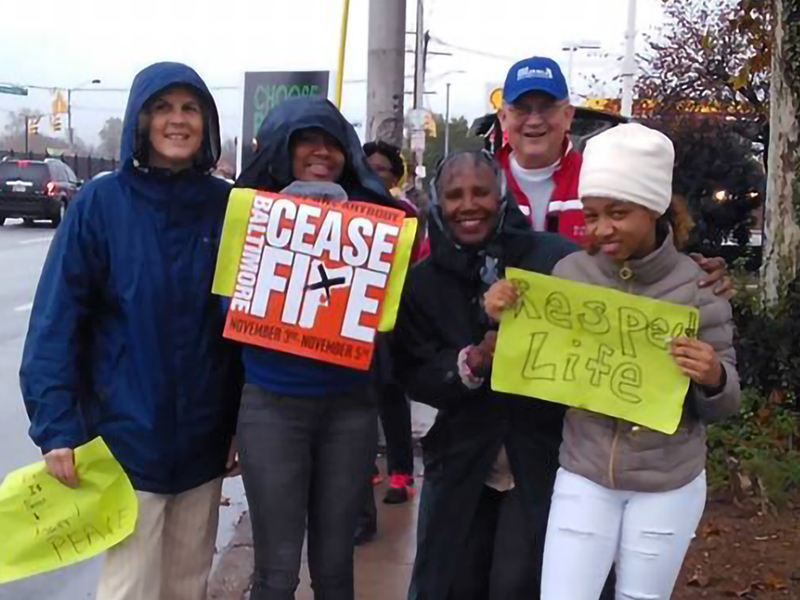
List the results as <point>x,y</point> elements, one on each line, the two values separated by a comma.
<point>36,189</point>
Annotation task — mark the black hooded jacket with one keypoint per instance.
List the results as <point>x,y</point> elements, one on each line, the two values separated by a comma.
<point>440,314</point>
<point>271,167</point>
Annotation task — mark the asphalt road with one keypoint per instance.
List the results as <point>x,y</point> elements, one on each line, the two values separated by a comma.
<point>22,253</point>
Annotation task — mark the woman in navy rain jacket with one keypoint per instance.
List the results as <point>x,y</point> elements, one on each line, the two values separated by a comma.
<point>125,339</point>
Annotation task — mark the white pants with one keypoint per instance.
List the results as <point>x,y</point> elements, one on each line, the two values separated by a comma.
<point>592,527</point>
<point>169,555</point>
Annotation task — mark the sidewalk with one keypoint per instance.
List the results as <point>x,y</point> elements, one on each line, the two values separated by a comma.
<point>382,567</point>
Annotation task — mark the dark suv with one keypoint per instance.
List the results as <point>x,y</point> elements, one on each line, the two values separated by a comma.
<point>35,189</point>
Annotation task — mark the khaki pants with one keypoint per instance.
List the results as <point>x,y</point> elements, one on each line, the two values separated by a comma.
<point>169,555</point>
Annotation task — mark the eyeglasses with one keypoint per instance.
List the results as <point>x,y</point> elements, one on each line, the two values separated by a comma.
<point>545,110</point>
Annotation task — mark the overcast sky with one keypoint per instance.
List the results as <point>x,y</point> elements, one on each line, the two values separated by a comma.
<point>65,44</point>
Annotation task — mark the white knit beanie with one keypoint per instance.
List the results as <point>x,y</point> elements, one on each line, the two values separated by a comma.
<point>629,162</point>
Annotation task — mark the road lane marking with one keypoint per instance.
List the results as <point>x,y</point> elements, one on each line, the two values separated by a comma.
<point>39,240</point>
<point>24,307</point>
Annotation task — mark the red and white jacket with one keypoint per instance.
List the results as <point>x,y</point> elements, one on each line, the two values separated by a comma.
<point>565,213</point>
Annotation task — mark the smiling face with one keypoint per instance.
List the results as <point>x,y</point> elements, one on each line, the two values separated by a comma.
<point>469,198</point>
<point>175,129</point>
<point>621,230</point>
<point>316,156</point>
<point>537,125</point>
<point>383,169</point>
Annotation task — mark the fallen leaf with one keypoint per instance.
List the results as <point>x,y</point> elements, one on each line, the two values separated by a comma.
<point>776,582</point>
<point>699,580</point>
<point>708,530</point>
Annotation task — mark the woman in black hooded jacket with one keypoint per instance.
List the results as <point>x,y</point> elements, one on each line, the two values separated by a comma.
<point>490,458</point>
<point>307,429</point>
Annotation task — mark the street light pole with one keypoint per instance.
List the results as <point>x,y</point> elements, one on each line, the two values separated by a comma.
<point>572,48</point>
<point>69,108</point>
<point>629,63</point>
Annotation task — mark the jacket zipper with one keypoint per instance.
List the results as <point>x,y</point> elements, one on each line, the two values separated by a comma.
<point>617,433</point>
<point>627,276</point>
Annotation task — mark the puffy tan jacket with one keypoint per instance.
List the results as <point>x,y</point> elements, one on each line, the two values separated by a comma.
<point>618,454</point>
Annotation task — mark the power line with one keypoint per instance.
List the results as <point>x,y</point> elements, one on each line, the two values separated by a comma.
<point>51,88</point>
<point>473,50</point>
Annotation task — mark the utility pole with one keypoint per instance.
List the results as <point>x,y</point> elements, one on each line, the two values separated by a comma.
<point>447,124</point>
<point>386,71</point>
<point>629,64</point>
<point>417,129</point>
<point>419,57</point>
<point>27,130</point>
<point>69,120</point>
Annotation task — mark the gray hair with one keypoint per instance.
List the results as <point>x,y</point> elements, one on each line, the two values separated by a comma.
<point>478,157</point>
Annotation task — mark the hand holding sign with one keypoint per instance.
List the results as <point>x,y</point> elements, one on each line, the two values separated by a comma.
<point>61,465</point>
<point>698,361</point>
<point>501,296</point>
<point>597,349</point>
<point>46,525</point>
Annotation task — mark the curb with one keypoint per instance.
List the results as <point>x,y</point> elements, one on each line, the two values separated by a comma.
<point>231,578</point>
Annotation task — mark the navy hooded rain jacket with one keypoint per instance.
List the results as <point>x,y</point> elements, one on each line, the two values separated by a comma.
<point>125,337</point>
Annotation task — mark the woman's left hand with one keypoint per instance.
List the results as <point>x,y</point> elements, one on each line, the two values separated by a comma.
<point>698,361</point>
<point>232,468</point>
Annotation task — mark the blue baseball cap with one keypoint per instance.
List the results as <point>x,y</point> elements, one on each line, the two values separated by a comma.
<point>535,74</point>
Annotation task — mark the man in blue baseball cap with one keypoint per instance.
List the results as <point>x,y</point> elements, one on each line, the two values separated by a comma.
<point>541,166</point>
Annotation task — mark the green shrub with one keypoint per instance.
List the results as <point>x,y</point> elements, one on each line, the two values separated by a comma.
<point>754,453</point>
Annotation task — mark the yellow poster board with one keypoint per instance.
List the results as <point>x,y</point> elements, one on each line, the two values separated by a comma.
<point>594,348</point>
<point>46,525</point>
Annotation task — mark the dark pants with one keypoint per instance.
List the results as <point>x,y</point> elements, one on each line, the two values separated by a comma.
<point>395,412</point>
<point>304,460</point>
<point>501,560</point>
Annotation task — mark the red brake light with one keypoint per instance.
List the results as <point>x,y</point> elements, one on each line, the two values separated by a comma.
<point>51,188</point>
<point>23,164</point>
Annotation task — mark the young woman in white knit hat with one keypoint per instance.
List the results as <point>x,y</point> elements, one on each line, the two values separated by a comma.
<point>624,494</point>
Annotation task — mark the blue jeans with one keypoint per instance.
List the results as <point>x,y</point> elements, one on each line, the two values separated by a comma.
<point>304,461</point>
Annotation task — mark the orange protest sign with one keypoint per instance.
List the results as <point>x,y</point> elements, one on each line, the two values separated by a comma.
<point>312,276</point>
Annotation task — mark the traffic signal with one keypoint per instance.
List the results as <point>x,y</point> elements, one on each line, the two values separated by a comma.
<point>429,124</point>
<point>55,122</point>
<point>33,125</point>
